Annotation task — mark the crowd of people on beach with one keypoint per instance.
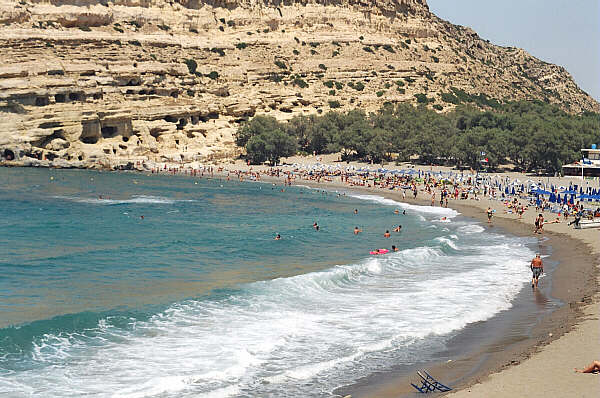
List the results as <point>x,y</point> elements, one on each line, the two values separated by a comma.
<point>440,188</point>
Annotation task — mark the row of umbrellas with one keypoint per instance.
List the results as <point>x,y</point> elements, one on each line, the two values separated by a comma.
<point>555,198</point>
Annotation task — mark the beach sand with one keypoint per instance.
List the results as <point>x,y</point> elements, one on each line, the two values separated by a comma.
<point>541,366</point>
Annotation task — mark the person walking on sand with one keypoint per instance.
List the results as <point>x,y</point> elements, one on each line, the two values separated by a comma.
<point>539,223</point>
<point>537,268</point>
<point>490,213</point>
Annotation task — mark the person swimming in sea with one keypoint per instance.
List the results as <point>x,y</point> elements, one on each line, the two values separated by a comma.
<point>387,234</point>
<point>277,237</point>
<point>396,211</point>
<point>394,248</point>
<point>357,231</point>
<point>398,228</point>
<point>355,211</point>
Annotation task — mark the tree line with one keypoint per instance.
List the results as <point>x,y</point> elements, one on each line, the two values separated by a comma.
<point>531,135</point>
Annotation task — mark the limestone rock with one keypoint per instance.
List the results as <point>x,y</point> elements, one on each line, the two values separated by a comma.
<point>90,83</point>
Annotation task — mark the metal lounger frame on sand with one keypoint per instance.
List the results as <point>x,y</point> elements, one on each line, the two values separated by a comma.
<point>429,384</point>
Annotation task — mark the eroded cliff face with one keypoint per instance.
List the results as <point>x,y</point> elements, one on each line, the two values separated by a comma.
<point>87,83</point>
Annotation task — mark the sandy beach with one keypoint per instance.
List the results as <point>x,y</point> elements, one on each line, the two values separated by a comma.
<point>542,365</point>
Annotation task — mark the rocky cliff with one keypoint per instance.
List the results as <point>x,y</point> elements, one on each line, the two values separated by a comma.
<point>88,83</point>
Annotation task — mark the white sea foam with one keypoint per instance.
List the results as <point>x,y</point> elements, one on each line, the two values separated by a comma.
<point>449,242</point>
<point>443,211</point>
<point>471,229</point>
<point>139,199</point>
<point>290,334</point>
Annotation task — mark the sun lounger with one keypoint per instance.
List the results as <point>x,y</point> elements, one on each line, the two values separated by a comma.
<point>429,384</point>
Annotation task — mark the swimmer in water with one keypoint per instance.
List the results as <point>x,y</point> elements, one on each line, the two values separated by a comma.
<point>396,211</point>
<point>278,237</point>
<point>394,248</point>
<point>403,212</point>
<point>355,211</point>
<point>443,218</point>
<point>398,228</point>
<point>387,234</point>
<point>142,217</point>
<point>357,231</point>
<point>315,225</point>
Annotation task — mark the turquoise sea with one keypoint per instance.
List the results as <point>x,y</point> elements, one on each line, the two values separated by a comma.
<point>196,299</point>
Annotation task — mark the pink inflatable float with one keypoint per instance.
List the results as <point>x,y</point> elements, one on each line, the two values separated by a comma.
<point>380,251</point>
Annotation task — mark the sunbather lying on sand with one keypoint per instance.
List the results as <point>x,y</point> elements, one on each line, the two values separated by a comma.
<point>593,367</point>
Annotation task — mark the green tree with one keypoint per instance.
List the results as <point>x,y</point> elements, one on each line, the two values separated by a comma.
<point>254,127</point>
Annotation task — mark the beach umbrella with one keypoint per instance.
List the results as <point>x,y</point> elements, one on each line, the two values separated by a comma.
<point>506,190</point>
<point>569,192</point>
<point>513,190</point>
<point>552,198</point>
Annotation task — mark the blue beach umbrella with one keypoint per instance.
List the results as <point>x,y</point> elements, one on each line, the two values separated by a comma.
<point>552,198</point>
<point>569,192</point>
<point>540,191</point>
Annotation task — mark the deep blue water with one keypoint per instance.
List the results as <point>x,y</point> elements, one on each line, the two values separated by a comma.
<point>197,299</point>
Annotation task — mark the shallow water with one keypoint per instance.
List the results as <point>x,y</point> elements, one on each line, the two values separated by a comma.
<point>197,299</point>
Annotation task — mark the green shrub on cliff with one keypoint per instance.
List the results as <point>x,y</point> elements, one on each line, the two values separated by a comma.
<point>388,48</point>
<point>280,64</point>
<point>192,65</point>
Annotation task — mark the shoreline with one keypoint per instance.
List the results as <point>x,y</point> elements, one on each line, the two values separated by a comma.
<point>574,282</point>
<point>575,286</point>
<point>479,363</point>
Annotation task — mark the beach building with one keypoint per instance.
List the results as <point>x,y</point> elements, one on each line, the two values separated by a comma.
<point>588,166</point>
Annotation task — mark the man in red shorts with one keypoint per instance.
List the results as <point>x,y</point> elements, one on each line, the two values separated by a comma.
<point>537,267</point>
